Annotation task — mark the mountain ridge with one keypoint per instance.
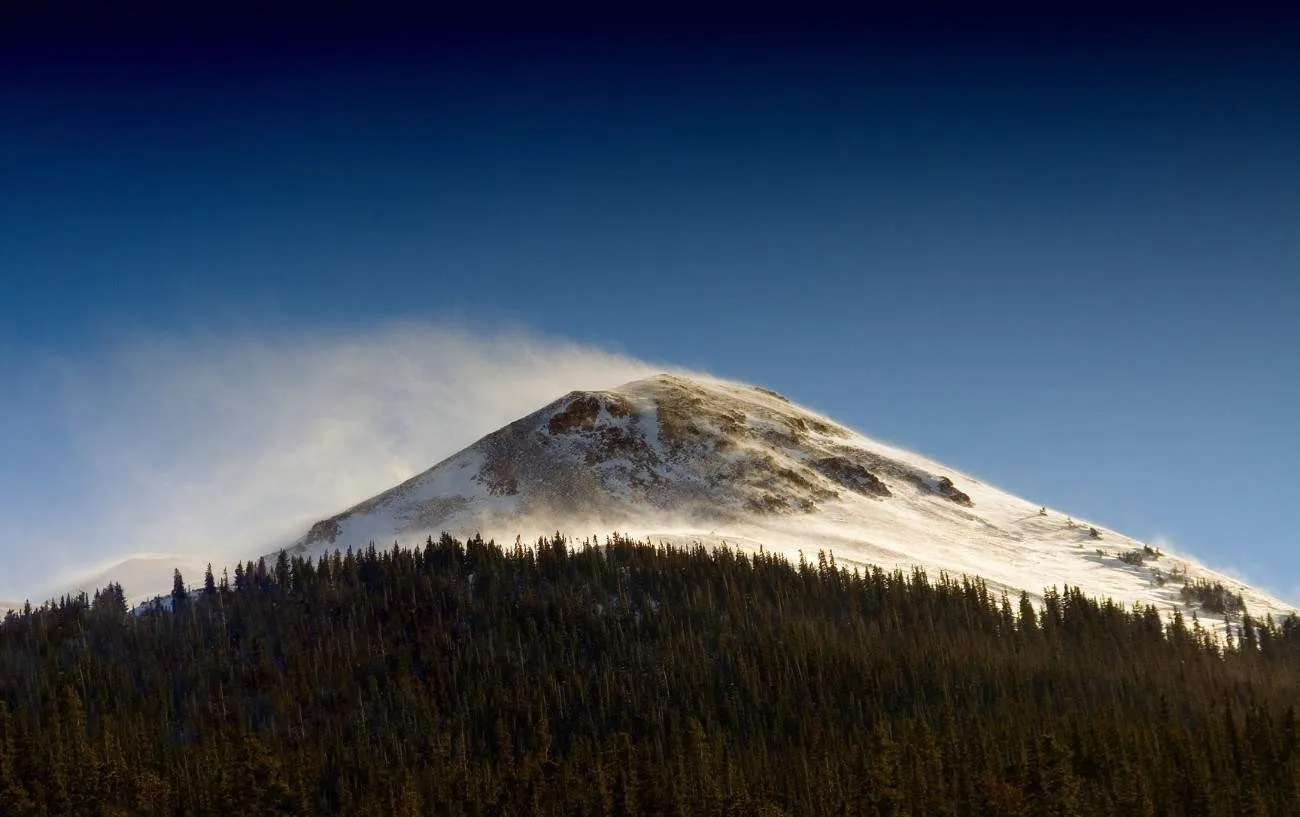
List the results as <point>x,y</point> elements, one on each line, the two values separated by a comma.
<point>695,459</point>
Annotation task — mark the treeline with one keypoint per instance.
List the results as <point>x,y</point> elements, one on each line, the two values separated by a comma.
<point>463,678</point>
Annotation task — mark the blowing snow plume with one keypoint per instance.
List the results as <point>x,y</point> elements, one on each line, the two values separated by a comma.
<point>188,450</point>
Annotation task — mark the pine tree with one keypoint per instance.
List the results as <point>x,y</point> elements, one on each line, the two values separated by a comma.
<point>179,596</point>
<point>13,794</point>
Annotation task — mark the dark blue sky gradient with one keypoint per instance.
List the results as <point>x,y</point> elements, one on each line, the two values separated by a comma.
<point>1062,255</point>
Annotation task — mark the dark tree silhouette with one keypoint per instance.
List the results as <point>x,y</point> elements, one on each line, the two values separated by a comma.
<point>626,678</point>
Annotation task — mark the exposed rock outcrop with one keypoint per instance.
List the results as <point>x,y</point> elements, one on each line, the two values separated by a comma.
<point>946,488</point>
<point>852,476</point>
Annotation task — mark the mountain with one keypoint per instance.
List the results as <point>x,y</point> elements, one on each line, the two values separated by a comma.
<point>687,459</point>
<point>141,577</point>
<point>143,572</point>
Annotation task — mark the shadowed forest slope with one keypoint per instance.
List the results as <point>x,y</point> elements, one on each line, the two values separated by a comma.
<point>463,678</point>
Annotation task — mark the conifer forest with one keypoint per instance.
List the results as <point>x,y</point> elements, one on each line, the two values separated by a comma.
<point>623,678</point>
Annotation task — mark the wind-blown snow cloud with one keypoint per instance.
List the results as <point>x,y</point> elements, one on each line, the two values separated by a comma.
<point>212,448</point>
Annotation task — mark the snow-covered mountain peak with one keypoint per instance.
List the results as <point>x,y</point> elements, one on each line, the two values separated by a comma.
<point>690,459</point>
<point>692,449</point>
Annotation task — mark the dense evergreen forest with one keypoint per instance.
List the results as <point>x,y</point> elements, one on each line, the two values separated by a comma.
<point>565,679</point>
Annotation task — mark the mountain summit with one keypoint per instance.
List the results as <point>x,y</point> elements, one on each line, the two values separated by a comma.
<point>689,459</point>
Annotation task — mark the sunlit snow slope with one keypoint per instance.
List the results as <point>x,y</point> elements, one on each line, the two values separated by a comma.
<point>686,460</point>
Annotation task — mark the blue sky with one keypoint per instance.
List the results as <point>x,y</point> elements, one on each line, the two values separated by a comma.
<point>1068,265</point>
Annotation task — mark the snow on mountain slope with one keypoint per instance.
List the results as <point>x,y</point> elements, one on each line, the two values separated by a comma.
<point>152,572</point>
<point>142,577</point>
<point>686,460</point>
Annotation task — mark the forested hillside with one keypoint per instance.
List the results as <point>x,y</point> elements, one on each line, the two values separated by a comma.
<point>632,679</point>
